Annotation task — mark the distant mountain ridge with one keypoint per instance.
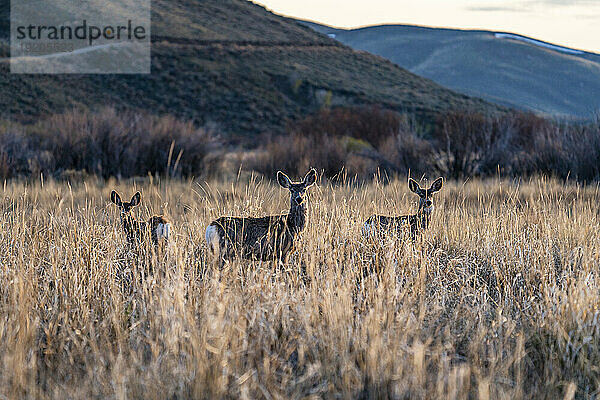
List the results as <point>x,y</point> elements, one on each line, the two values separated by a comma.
<point>562,49</point>
<point>506,68</point>
<point>233,65</point>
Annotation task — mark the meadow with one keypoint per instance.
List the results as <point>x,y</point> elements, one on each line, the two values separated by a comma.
<point>499,299</point>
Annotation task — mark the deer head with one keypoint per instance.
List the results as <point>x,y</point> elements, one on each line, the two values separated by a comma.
<point>125,207</point>
<point>297,189</point>
<point>426,196</point>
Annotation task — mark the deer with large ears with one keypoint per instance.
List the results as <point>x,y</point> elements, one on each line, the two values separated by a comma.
<point>265,238</point>
<point>156,227</point>
<point>418,222</point>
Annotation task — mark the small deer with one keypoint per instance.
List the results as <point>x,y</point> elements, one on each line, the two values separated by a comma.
<point>418,222</point>
<point>265,238</point>
<point>137,231</point>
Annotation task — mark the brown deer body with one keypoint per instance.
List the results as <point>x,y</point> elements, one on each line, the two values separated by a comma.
<point>155,228</point>
<point>417,222</point>
<point>265,238</point>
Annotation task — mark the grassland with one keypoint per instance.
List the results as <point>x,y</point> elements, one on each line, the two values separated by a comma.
<point>498,300</point>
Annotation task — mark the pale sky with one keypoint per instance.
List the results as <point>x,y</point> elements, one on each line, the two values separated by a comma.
<point>574,23</point>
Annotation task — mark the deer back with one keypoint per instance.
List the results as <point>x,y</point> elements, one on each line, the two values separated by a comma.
<point>263,238</point>
<point>418,222</point>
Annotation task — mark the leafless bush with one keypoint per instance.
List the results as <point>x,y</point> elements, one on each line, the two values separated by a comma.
<point>517,144</point>
<point>584,151</point>
<point>463,140</point>
<point>459,144</point>
<point>296,154</point>
<point>358,141</point>
<point>410,153</point>
<point>372,124</point>
<point>22,154</point>
<point>108,143</point>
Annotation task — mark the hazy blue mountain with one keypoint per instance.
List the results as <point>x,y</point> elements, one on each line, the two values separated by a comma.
<point>511,70</point>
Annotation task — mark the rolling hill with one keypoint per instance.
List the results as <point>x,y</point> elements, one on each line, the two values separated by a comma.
<point>508,69</point>
<point>234,65</point>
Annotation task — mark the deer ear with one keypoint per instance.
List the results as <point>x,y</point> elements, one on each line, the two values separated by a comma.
<point>115,198</point>
<point>436,186</point>
<point>310,178</point>
<point>283,179</point>
<point>414,186</point>
<point>135,199</point>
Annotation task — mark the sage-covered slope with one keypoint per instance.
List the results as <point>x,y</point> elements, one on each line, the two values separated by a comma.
<point>234,65</point>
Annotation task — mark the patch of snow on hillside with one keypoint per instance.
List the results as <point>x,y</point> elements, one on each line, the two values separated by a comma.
<point>538,43</point>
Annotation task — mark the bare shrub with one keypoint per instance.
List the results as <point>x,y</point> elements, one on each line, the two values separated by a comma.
<point>129,144</point>
<point>108,143</point>
<point>296,153</point>
<point>357,140</point>
<point>372,124</point>
<point>462,141</point>
<point>584,151</point>
<point>22,154</point>
<point>516,144</point>
<point>459,145</point>
<point>548,155</point>
<point>410,153</point>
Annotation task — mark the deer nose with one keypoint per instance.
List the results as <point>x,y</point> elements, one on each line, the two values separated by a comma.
<point>428,203</point>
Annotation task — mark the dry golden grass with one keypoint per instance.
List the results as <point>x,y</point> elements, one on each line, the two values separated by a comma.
<point>499,300</point>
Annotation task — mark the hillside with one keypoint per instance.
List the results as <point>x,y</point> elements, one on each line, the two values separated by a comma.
<point>235,65</point>
<point>507,69</point>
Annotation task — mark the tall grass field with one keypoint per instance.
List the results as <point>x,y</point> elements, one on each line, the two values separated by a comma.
<point>498,299</point>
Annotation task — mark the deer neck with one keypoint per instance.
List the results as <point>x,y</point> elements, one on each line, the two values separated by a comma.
<point>129,223</point>
<point>423,218</point>
<point>297,217</point>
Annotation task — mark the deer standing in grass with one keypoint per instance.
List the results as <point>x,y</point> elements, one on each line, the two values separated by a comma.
<point>156,228</point>
<point>265,238</point>
<point>418,222</point>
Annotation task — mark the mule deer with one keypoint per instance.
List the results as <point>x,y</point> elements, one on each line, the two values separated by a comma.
<point>417,222</point>
<point>265,238</point>
<point>137,231</point>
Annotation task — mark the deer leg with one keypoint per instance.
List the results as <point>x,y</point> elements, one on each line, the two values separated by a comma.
<point>223,261</point>
<point>281,263</point>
